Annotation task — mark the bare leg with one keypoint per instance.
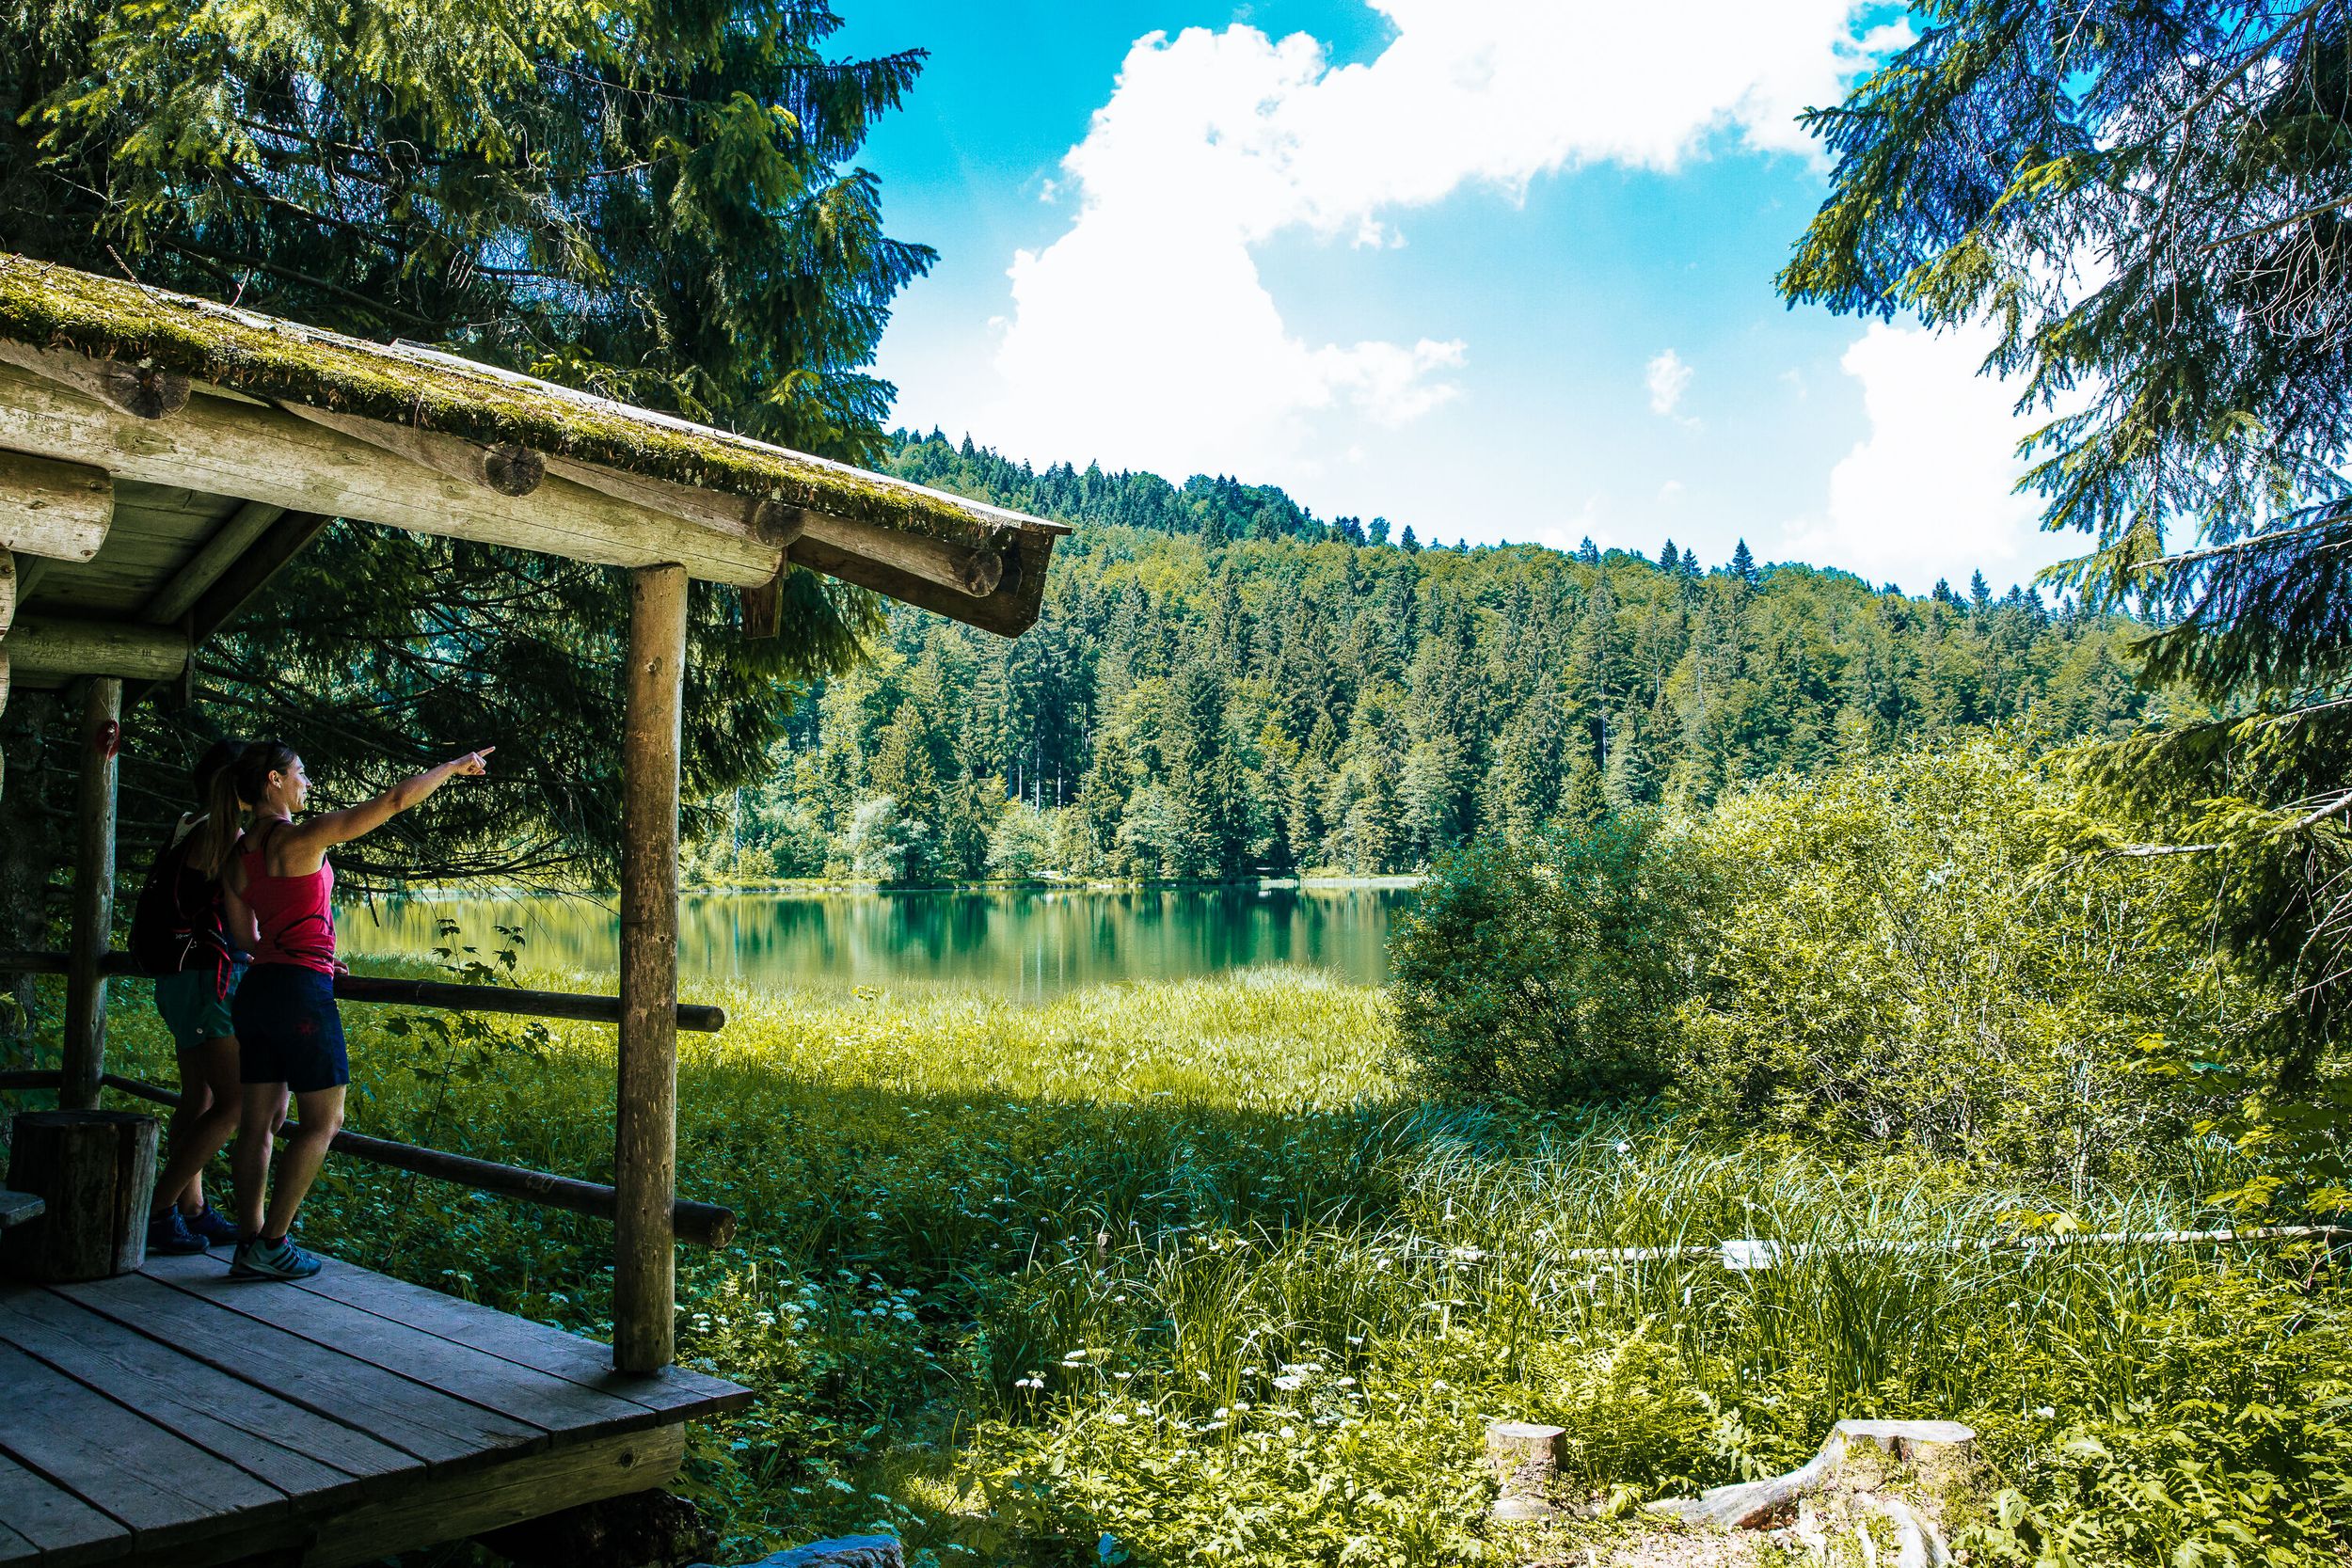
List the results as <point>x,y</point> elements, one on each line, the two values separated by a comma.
<point>210,1099</point>
<point>265,1108</point>
<point>321,1117</point>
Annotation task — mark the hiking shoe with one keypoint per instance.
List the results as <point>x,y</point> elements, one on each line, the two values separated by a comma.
<point>278,1259</point>
<point>168,1232</point>
<point>216,1229</point>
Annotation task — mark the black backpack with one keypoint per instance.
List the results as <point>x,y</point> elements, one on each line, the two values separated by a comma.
<point>166,937</point>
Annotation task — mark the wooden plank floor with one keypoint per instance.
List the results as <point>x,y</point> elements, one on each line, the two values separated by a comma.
<point>178,1415</point>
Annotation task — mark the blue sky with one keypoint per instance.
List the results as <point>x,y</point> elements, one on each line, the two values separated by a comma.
<point>1499,269</point>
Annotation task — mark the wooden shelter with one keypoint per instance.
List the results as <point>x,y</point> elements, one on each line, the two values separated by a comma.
<point>160,456</point>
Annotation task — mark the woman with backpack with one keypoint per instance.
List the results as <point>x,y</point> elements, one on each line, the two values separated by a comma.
<point>177,936</point>
<point>279,892</point>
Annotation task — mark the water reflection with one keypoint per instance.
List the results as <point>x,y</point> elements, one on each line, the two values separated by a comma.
<point>1029,943</point>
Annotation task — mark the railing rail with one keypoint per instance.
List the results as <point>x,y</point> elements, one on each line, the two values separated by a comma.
<point>1745,1254</point>
<point>700,1018</point>
<point>708,1224</point>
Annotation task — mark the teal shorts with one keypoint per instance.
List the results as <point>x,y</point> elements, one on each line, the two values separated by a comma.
<point>191,1011</point>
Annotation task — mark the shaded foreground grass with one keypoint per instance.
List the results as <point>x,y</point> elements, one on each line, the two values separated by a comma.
<point>1178,1272</point>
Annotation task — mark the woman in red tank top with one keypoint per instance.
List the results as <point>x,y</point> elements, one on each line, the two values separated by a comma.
<point>278,890</point>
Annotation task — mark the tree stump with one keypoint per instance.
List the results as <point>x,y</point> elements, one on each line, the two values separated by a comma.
<point>1526,1460</point>
<point>95,1171</point>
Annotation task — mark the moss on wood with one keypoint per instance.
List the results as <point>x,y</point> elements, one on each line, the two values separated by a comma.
<point>60,307</point>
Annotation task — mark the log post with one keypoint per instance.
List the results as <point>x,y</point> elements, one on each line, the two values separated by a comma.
<point>644,1159</point>
<point>95,1171</point>
<point>93,898</point>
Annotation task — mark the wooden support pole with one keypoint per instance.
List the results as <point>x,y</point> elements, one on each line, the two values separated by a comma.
<point>93,898</point>
<point>644,1157</point>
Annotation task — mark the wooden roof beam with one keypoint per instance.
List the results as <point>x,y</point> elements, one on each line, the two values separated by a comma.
<point>219,553</point>
<point>228,448</point>
<point>53,508</point>
<point>972,570</point>
<point>509,469</point>
<point>47,648</point>
<point>141,392</point>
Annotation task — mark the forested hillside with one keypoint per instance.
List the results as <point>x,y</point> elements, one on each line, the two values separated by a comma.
<point>1222,684</point>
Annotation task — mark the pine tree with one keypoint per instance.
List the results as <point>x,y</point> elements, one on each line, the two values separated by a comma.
<point>1669,557</point>
<point>1743,564</point>
<point>1979,593</point>
<point>1588,552</point>
<point>1408,542</point>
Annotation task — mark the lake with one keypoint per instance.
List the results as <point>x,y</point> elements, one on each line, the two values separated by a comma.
<point>1026,942</point>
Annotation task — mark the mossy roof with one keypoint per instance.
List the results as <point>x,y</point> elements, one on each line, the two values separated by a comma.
<point>55,307</point>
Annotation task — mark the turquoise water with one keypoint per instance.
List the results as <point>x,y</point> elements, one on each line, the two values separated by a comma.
<point>1027,942</point>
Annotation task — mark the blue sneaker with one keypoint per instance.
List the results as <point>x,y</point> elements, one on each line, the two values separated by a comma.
<point>278,1259</point>
<point>168,1233</point>
<point>216,1229</point>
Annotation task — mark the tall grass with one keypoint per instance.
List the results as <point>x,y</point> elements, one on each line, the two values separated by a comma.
<point>1176,1273</point>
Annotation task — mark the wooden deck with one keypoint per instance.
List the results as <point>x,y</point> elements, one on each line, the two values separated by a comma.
<point>174,1415</point>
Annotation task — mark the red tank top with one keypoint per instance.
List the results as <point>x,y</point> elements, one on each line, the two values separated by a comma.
<point>296,914</point>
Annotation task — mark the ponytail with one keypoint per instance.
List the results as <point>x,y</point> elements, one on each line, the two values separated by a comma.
<point>236,782</point>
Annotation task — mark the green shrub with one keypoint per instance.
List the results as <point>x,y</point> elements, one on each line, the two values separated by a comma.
<point>1548,970</point>
<point>1898,963</point>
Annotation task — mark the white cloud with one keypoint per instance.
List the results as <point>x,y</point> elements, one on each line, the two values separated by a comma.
<point>1668,378</point>
<point>1144,334</point>
<point>1930,491</point>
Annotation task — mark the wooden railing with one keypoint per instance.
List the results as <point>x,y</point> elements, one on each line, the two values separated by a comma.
<point>704,1224</point>
<point>699,1018</point>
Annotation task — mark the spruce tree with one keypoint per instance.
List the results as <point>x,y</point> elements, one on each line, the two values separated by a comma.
<point>658,204</point>
<point>2147,203</point>
<point>1743,564</point>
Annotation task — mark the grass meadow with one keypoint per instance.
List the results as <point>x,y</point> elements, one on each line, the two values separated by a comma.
<point>1181,1272</point>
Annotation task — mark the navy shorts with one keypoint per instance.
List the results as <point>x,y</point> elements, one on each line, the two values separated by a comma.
<point>288,1030</point>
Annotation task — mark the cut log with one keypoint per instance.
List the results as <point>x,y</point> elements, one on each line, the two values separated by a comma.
<point>48,646</point>
<point>53,508</point>
<point>141,392</point>
<point>94,1172</point>
<point>509,469</point>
